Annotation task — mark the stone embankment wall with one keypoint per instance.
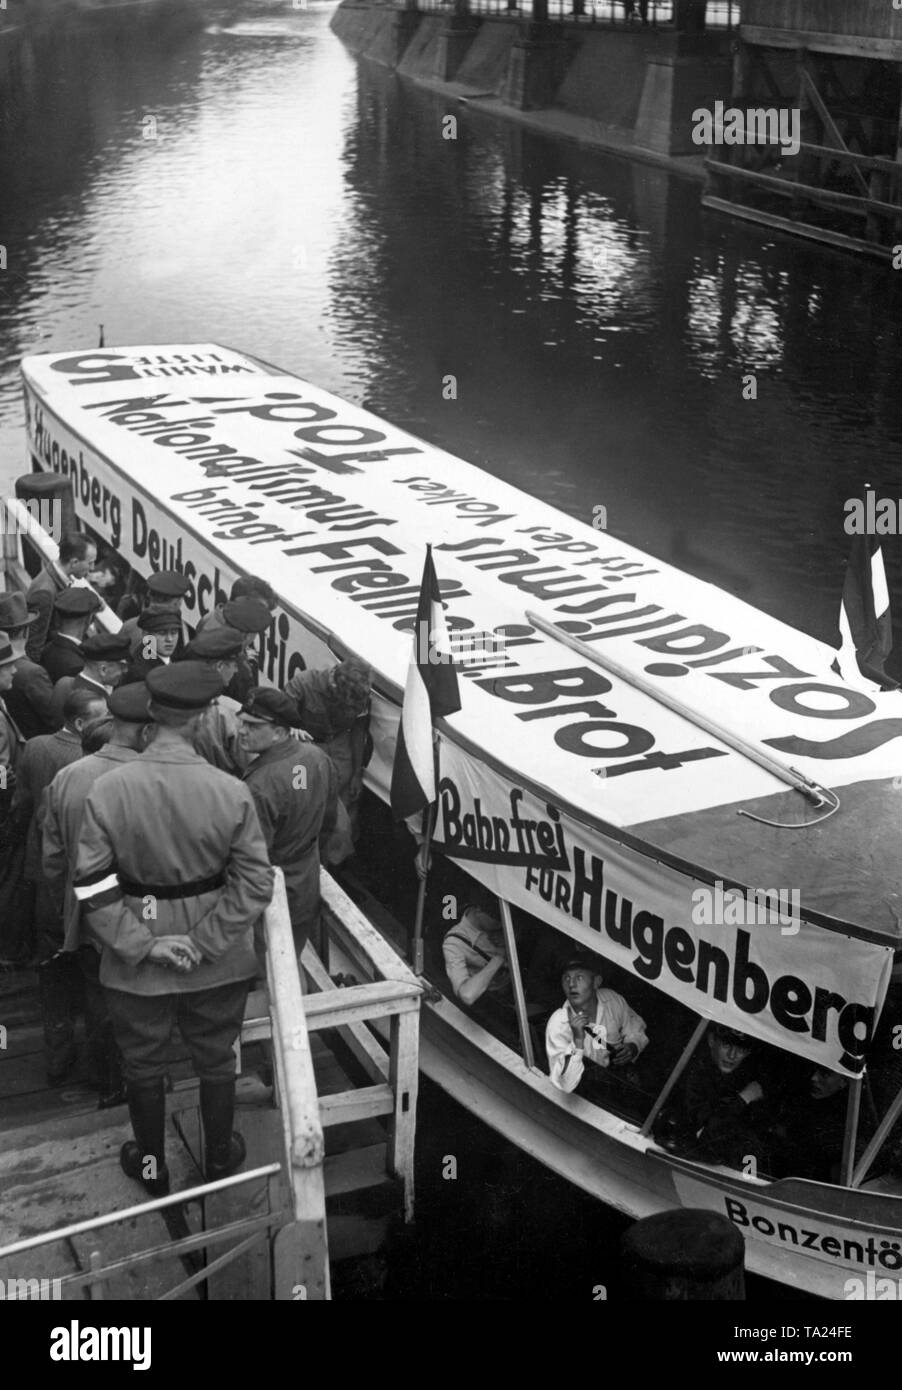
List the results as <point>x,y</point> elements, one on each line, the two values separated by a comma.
<point>637,85</point>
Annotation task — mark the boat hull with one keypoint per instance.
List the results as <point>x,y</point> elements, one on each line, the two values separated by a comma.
<point>813,1237</point>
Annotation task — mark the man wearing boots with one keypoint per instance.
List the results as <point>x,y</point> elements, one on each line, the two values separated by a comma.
<point>60,822</point>
<point>171,874</point>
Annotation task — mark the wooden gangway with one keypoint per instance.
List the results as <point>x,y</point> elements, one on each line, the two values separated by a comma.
<point>69,1213</point>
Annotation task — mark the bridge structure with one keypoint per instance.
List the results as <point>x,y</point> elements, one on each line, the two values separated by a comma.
<point>835,67</point>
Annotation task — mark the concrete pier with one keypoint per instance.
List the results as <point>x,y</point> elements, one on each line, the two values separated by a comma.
<point>627,89</point>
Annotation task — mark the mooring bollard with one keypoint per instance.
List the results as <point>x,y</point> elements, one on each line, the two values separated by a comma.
<point>682,1255</point>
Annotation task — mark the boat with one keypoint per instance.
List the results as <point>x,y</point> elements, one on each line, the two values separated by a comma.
<point>643,765</point>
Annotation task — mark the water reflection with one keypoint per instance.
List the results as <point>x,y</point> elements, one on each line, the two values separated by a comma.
<point>250,183</point>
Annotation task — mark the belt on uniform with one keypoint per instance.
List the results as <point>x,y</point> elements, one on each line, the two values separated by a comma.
<point>170,891</point>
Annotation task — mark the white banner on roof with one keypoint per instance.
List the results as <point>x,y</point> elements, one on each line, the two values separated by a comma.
<point>334,507</point>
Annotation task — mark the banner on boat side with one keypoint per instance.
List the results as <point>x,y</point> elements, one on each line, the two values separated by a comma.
<point>335,506</point>
<point>799,1235</point>
<point>747,959</point>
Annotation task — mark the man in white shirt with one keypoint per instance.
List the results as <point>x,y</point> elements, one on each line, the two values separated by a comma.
<point>594,1026</point>
<point>475,958</point>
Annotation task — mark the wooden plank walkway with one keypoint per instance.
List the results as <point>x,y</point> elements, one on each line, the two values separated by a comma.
<point>59,1163</point>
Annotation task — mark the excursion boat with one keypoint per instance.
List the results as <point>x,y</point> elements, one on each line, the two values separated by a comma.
<point>643,765</point>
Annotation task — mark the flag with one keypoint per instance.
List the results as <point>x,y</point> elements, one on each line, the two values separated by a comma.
<point>431,691</point>
<point>865,626</point>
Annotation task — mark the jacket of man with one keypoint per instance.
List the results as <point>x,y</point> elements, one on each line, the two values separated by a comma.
<point>59,821</point>
<point>11,745</point>
<point>39,598</point>
<point>140,667</point>
<point>217,738</point>
<point>42,758</point>
<point>168,820</point>
<point>61,657</point>
<point>343,737</point>
<point>294,787</point>
<point>30,701</point>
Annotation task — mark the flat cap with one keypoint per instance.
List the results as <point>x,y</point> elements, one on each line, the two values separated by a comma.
<point>274,707</point>
<point>247,614</point>
<point>185,685</point>
<point>168,583</point>
<point>106,646</point>
<point>159,620</point>
<point>129,702</point>
<point>77,602</point>
<point>581,960</point>
<point>215,644</point>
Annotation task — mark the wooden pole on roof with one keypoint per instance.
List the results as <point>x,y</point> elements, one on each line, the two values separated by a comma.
<point>853,1109</point>
<point>753,751</point>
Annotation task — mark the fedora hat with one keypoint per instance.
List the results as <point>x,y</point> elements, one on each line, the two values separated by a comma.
<point>8,653</point>
<point>14,612</point>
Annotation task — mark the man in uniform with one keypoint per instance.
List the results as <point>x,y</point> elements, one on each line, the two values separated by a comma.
<point>15,912</point>
<point>74,609</point>
<point>219,648</point>
<point>250,617</point>
<point>171,874</point>
<point>106,660</point>
<point>77,557</point>
<point>161,632</point>
<point>59,984</point>
<point>295,789</point>
<point>60,822</point>
<point>30,698</point>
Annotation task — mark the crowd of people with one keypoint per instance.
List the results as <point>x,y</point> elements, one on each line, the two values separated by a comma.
<point>148,785</point>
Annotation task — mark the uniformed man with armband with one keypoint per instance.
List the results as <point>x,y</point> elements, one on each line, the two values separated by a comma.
<point>172,874</point>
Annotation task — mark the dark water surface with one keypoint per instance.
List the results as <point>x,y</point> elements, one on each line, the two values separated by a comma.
<point>252,184</point>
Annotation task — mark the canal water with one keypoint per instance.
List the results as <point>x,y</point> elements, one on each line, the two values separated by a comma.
<point>251,183</point>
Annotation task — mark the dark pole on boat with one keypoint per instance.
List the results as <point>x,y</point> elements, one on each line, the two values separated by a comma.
<point>513,961</point>
<point>417,948</point>
<point>848,1148</point>
<point>673,1078</point>
<point>101,343</point>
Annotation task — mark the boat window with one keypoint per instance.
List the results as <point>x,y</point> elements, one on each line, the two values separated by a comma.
<point>636,1033</point>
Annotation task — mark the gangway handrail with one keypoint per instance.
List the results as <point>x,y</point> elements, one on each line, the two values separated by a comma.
<point>110,1218</point>
<point>27,526</point>
<point>305,1143</point>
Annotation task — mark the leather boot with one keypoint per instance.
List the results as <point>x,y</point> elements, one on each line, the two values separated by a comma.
<point>224,1150</point>
<point>147,1110</point>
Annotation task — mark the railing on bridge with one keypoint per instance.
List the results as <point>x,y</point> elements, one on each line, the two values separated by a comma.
<point>294,1226</point>
<point>719,14</point>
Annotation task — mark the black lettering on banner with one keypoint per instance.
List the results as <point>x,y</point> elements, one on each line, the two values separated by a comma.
<point>574,738</point>
<point>93,367</point>
<point>537,688</point>
<point>854,744</point>
<point>856,705</point>
<point>744,680</point>
<point>687,641</point>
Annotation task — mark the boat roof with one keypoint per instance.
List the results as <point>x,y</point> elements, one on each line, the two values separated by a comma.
<point>335,507</point>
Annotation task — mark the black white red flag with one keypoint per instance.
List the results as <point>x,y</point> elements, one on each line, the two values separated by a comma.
<point>431,691</point>
<point>865,625</point>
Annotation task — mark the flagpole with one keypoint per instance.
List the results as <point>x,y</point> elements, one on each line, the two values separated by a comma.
<point>428,829</point>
